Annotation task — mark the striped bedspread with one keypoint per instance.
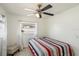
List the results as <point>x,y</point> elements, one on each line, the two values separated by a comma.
<point>49,47</point>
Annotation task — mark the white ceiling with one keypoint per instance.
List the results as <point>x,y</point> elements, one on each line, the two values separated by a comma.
<point>18,8</point>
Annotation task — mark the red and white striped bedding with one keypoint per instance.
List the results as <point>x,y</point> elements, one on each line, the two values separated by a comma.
<point>49,47</point>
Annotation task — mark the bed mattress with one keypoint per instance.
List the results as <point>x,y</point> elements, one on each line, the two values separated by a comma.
<point>49,47</point>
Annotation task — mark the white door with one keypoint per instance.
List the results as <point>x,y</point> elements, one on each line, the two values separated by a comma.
<point>28,31</point>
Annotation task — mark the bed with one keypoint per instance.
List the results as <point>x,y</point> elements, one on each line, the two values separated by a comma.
<point>49,47</point>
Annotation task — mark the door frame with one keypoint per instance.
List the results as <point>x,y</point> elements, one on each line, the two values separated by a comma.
<point>20,33</point>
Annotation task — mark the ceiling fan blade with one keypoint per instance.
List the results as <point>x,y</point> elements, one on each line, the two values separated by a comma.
<point>48,13</point>
<point>40,16</point>
<point>47,7</point>
<point>30,14</point>
<point>29,9</point>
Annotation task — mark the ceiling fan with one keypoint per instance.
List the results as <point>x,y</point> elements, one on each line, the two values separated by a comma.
<point>38,12</point>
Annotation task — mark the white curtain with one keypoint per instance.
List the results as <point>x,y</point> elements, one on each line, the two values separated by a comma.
<point>3,36</point>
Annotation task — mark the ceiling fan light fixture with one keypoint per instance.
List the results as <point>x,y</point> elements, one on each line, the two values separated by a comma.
<point>37,15</point>
<point>38,12</point>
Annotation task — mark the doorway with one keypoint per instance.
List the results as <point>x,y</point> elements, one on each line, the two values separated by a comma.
<point>28,31</point>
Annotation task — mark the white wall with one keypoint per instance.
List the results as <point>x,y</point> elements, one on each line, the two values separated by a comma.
<point>3,45</point>
<point>13,24</point>
<point>65,27</point>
